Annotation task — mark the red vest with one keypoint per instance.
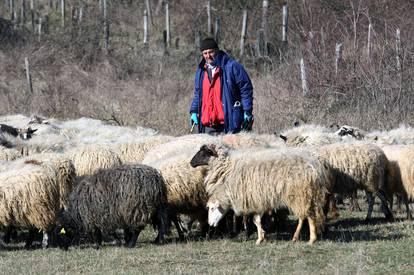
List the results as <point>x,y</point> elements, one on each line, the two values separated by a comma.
<point>212,108</point>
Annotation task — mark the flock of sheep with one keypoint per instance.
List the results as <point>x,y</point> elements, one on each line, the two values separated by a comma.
<point>82,176</point>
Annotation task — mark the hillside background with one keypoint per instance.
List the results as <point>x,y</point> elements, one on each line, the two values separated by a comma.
<point>371,85</point>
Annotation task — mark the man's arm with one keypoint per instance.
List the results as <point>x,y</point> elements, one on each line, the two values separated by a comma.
<point>245,86</point>
<point>196,99</point>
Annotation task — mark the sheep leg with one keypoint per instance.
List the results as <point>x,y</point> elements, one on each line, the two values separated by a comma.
<point>30,238</point>
<point>257,219</point>
<point>312,230</point>
<point>134,237</point>
<point>354,202</point>
<point>407,208</point>
<point>370,199</point>
<point>97,237</point>
<point>45,240</point>
<point>246,228</point>
<point>298,229</point>
<point>163,225</point>
<point>178,227</point>
<point>10,230</point>
<point>384,205</point>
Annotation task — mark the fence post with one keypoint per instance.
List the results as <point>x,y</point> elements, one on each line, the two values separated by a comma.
<point>149,13</point>
<point>305,88</point>
<point>217,30</point>
<point>62,12</point>
<point>23,12</point>
<point>145,28</point>
<point>209,25</point>
<point>167,23</point>
<point>32,15</point>
<point>28,75</point>
<point>398,47</point>
<point>105,26</point>
<point>338,56</point>
<point>243,34</point>
<point>285,23</point>
<point>39,29</point>
<point>369,41</point>
<point>265,8</point>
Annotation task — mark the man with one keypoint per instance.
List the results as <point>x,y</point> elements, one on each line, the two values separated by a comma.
<point>223,94</point>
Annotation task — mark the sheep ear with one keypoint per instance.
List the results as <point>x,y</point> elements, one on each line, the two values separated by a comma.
<point>283,137</point>
<point>30,131</point>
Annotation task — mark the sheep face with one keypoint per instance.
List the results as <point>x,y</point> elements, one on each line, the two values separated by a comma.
<point>203,155</point>
<point>26,133</point>
<point>215,213</point>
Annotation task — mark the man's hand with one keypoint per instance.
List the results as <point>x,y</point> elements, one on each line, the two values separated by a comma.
<point>247,121</point>
<point>194,119</point>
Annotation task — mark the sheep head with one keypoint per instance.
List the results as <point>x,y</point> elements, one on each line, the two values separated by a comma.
<point>215,212</point>
<point>203,156</point>
<point>26,133</point>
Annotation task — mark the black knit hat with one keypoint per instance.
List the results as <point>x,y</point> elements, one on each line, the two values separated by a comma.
<point>208,43</point>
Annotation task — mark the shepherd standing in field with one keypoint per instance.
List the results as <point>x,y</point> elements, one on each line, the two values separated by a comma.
<point>223,94</point>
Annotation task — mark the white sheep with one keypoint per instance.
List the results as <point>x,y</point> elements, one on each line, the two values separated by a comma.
<point>89,159</point>
<point>357,166</point>
<point>400,173</point>
<point>259,181</point>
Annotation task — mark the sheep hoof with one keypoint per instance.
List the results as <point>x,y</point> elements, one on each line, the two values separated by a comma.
<point>311,241</point>
<point>259,241</point>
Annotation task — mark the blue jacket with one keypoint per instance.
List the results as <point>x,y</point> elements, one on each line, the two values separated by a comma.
<point>235,86</point>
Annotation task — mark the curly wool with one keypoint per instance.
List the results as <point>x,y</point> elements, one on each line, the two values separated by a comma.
<point>355,166</point>
<point>30,196</point>
<point>88,160</point>
<point>123,197</point>
<point>400,170</point>
<point>254,182</point>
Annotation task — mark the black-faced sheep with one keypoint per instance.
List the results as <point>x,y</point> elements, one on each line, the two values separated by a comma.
<point>126,197</point>
<point>256,182</point>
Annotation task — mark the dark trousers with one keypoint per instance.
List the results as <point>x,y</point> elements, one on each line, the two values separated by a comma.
<point>215,130</point>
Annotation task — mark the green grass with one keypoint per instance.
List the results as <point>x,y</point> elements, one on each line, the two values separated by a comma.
<point>350,247</point>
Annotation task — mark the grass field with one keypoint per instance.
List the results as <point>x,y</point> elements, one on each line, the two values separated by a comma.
<point>350,247</point>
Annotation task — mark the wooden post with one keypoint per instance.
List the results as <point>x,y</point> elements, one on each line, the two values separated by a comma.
<point>305,88</point>
<point>398,47</point>
<point>145,28</point>
<point>105,26</point>
<point>369,41</point>
<point>209,25</point>
<point>80,14</point>
<point>285,23</point>
<point>261,44</point>
<point>28,75</point>
<point>12,17</point>
<point>23,12</point>
<point>197,40</point>
<point>217,30</point>
<point>167,23</point>
<point>265,8</point>
<point>62,12</point>
<point>338,56</point>
<point>39,29</point>
<point>149,13</point>
<point>243,34</point>
<point>32,14</point>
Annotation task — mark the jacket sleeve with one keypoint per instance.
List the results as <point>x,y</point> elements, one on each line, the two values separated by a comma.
<point>197,92</point>
<point>244,85</point>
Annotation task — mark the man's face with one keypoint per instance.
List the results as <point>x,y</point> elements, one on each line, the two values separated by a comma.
<point>209,55</point>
